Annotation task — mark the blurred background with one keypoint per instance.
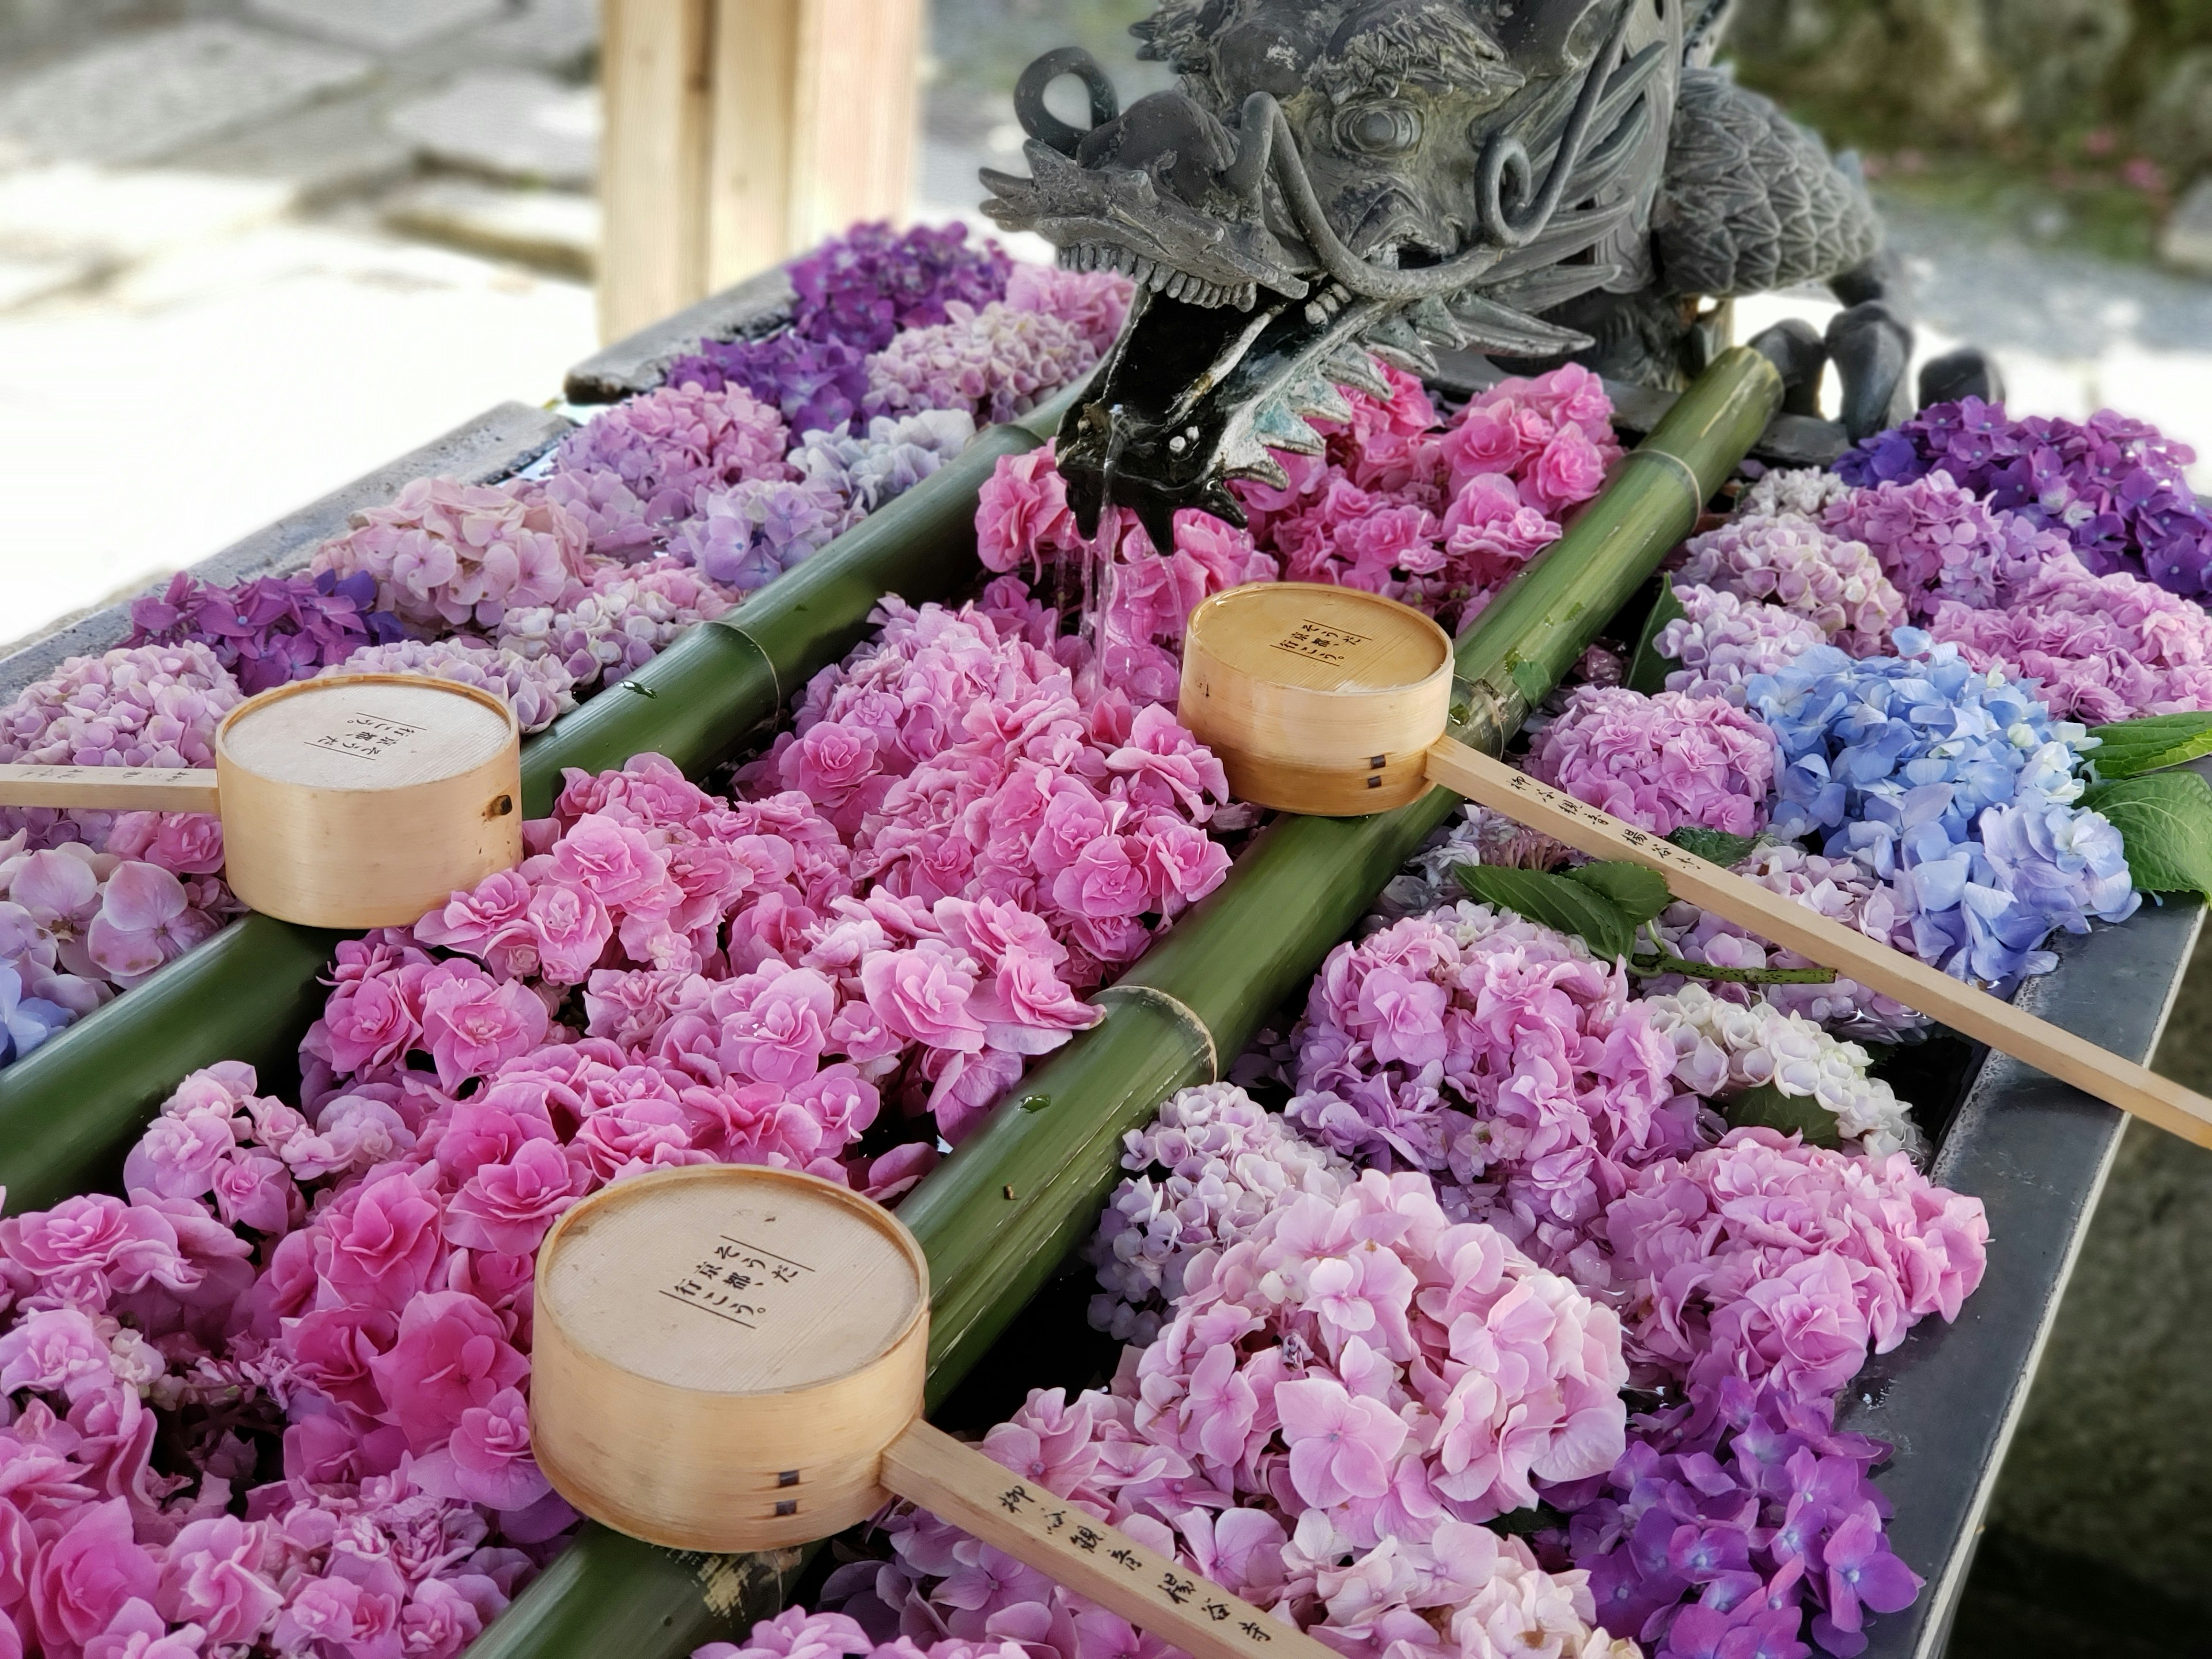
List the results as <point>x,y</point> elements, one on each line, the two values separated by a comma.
<point>249,249</point>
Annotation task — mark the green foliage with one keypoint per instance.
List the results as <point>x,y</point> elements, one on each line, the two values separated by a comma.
<point>1602,904</point>
<point>2127,749</point>
<point>2165,819</point>
<point>1713,846</point>
<point>1767,1108</point>
<point>1647,669</point>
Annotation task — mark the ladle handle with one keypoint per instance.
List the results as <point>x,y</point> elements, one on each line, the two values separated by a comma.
<point>111,788</point>
<point>2134,1089</point>
<point>1152,1591</point>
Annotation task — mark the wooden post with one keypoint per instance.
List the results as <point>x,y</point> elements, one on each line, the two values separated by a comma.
<point>654,77</point>
<point>739,131</point>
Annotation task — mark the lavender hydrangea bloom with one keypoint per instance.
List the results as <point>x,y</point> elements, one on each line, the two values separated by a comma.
<point>866,286</point>
<point>1722,640</point>
<point>996,364</point>
<point>1207,1170</point>
<point>1789,561</point>
<point>540,691</point>
<point>866,470</point>
<point>270,630</point>
<point>816,384</point>
<point>1937,541</point>
<point>1911,765</point>
<point>620,625</point>
<point>614,517</point>
<point>146,705</point>
<point>25,1021</point>
<point>669,444</point>
<point>2115,489</point>
<point>747,537</point>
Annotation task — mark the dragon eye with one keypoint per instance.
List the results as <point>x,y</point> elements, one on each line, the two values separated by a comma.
<point>1379,128</point>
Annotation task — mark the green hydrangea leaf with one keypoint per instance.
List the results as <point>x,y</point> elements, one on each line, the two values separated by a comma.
<point>1641,894</point>
<point>1552,901</point>
<point>1767,1108</point>
<point>2165,820</point>
<point>2127,749</point>
<point>1647,669</point>
<point>1715,845</point>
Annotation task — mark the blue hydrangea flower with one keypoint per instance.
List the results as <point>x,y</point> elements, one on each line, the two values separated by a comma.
<point>1953,786</point>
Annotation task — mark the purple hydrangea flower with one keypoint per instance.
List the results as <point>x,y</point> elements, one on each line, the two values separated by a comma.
<point>2114,488</point>
<point>270,630</point>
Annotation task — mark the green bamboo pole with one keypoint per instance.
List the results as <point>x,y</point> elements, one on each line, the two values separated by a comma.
<point>70,1110</point>
<point>1000,1215</point>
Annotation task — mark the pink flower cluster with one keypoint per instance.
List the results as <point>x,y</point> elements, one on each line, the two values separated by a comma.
<point>1790,562</point>
<point>1660,763</point>
<point>1438,516</point>
<point>957,756</point>
<point>1722,641</point>
<point>1094,303</point>
<point>446,554</point>
<point>2097,647</point>
<point>1362,1382</point>
<point>996,364</point>
<point>1936,541</point>
<point>1760,1259</point>
<point>1484,1048</point>
<point>1024,519</point>
<point>122,1458</point>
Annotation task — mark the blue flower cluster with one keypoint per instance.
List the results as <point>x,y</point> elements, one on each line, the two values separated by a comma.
<point>1955,787</point>
<point>24,1021</point>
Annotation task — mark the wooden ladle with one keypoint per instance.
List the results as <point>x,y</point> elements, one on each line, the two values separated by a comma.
<point>361,800</point>
<point>1333,702</point>
<point>729,1356</point>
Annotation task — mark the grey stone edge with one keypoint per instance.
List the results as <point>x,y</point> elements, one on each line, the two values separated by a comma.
<point>2036,1152</point>
<point>496,443</point>
<point>638,362</point>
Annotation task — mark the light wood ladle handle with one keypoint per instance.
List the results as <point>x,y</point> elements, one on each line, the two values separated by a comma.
<point>2134,1089</point>
<point>1152,1591</point>
<point>111,788</point>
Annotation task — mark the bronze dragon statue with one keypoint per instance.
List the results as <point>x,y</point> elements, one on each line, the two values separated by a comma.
<point>1337,181</point>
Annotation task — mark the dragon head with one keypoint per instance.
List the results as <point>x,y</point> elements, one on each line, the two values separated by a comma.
<point>1334,182</point>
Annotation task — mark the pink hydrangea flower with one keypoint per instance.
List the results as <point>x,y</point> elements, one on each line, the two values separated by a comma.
<point>1660,763</point>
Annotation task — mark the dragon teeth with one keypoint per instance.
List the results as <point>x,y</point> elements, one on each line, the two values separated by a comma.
<point>1275,424</point>
<point>1313,395</point>
<point>1398,343</point>
<point>1432,318</point>
<point>1245,458</point>
<point>1349,365</point>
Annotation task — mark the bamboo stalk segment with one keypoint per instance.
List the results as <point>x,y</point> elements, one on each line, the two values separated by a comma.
<point>730,1357</point>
